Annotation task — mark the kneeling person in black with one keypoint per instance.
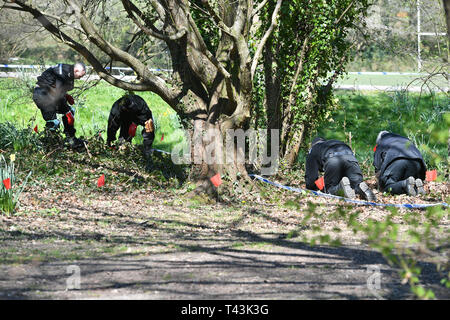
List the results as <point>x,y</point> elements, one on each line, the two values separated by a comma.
<point>127,113</point>
<point>342,171</point>
<point>398,164</point>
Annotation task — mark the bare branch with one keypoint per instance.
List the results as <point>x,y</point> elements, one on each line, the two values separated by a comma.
<point>219,22</point>
<point>114,52</point>
<point>344,12</point>
<point>159,9</point>
<point>287,117</point>
<point>49,15</point>
<point>131,9</point>
<point>258,8</point>
<point>269,31</point>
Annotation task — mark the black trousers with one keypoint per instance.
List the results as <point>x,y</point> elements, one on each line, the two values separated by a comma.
<point>49,107</point>
<point>338,167</point>
<point>148,141</point>
<point>393,177</point>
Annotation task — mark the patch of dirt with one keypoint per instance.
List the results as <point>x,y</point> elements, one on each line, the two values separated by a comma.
<point>151,244</point>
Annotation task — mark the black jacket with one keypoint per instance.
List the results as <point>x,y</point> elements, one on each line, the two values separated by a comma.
<point>392,147</point>
<point>126,110</point>
<point>61,72</point>
<point>317,156</point>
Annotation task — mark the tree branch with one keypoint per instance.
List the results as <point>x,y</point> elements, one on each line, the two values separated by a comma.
<point>287,116</point>
<point>206,52</point>
<point>219,22</point>
<point>265,37</point>
<point>259,7</point>
<point>114,52</point>
<point>344,12</point>
<point>159,9</point>
<point>240,19</point>
<point>131,9</point>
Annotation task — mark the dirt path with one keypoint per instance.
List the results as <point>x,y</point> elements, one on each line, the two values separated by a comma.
<point>157,245</point>
<point>214,273</point>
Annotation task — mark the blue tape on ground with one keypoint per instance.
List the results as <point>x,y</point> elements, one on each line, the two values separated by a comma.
<point>158,150</point>
<point>366,203</point>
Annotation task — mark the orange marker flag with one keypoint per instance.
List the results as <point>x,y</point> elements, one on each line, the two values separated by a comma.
<point>216,180</point>
<point>7,183</point>
<point>101,181</point>
<point>320,183</point>
<point>375,148</point>
<point>35,129</point>
<point>162,137</point>
<point>431,175</point>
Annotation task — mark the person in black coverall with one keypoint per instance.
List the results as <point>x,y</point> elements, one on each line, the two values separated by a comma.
<point>126,114</point>
<point>342,171</point>
<point>399,165</point>
<point>50,96</point>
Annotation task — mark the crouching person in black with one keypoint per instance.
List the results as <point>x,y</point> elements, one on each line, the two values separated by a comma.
<point>50,96</point>
<point>126,114</point>
<point>342,171</point>
<point>399,165</point>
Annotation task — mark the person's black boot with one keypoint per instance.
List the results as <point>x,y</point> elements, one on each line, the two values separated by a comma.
<point>76,144</point>
<point>409,185</point>
<point>366,193</point>
<point>419,187</point>
<point>345,186</point>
